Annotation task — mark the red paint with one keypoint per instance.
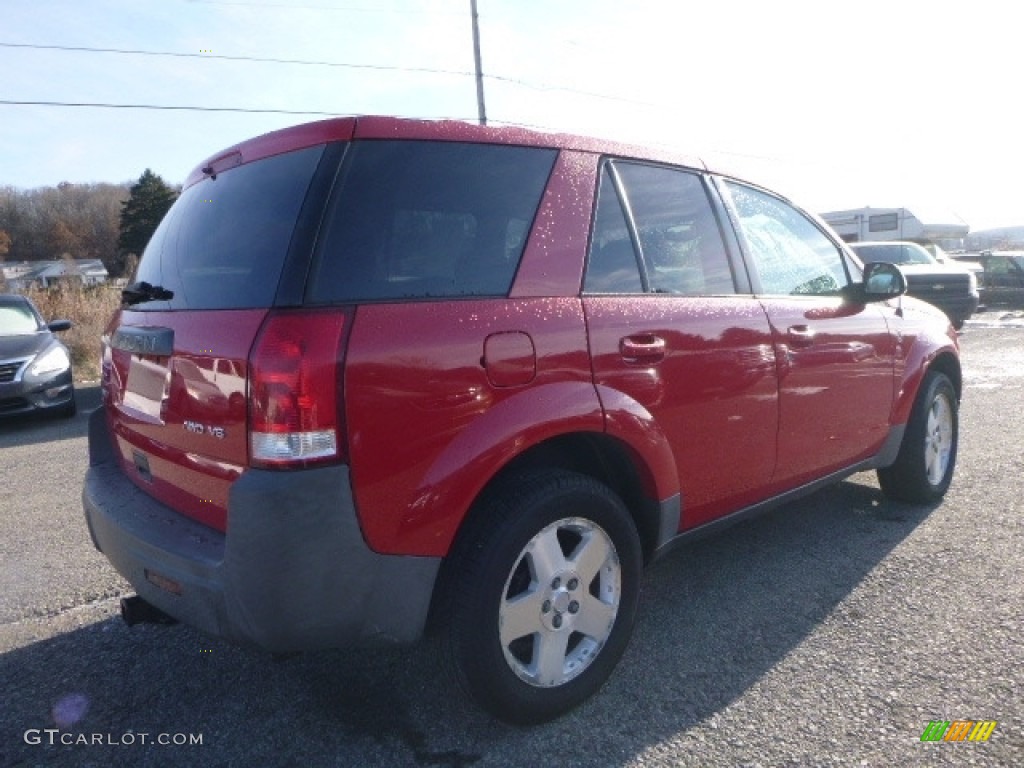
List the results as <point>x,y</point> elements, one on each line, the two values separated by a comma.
<point>202,384</point>
<point>835,363</point>
<point>278,142</point>
<point>427,429</point>
<point>510,359</point>
<point>723,400</point>
<point>712,390</point>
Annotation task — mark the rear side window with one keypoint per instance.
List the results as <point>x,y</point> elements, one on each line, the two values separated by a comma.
<point>678,232</point>
<point>224,241</point>
<point>671,218</point>
<point>418,219</point>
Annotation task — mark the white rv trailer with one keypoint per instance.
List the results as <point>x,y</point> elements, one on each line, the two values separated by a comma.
<point>897,224</point>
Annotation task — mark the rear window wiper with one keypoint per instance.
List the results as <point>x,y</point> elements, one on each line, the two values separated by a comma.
<point>136,293</point>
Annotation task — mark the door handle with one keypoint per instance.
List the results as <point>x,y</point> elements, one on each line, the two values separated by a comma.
<point>800,335</point>
<point>643,348</point>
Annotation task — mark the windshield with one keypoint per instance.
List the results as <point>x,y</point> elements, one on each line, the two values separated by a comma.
<point>17,320</point>
<point>893,253</point>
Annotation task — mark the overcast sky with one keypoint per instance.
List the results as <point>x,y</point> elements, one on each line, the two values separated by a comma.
<point>837,104</point>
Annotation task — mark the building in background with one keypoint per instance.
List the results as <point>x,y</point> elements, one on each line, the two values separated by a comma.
<point>1001,238</point>
<point>20,275</point>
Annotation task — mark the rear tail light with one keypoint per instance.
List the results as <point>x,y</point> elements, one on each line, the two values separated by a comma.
<point>296,417</point>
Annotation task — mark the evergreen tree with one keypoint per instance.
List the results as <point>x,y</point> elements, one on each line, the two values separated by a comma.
<point>148,201</point>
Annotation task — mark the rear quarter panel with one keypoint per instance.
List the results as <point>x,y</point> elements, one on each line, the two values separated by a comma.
<point>429,424</point>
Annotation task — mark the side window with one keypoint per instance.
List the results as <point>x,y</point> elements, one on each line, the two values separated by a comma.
<point>612,266</point>
<point>679,238</point>
<point>997,266</point>
<point>420,219</point>
<point>790,254</point>
<point>681,248</point>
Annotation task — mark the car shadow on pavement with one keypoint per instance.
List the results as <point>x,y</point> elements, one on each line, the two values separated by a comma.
<point>33,428</point>
<point>715,617</point>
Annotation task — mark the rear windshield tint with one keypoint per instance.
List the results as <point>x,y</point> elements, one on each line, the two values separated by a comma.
<point>223,243</point>
<point>417,219</point>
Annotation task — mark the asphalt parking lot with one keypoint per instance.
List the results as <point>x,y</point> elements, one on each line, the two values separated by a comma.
<point>828,632</point>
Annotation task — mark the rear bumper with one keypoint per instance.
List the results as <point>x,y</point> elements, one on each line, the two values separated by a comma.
<point>293,574</point>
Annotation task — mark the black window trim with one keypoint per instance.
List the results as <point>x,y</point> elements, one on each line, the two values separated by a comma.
<point>631,228</point>
<point>291,288</point>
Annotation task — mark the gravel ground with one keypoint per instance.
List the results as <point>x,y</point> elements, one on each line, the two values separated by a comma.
<point>828,632</point>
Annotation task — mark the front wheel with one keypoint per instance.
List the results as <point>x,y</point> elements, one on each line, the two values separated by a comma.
<point>923,469</point>
<point>544,595</point>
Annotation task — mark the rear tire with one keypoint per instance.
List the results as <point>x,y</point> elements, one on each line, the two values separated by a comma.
<point>543,595</point>
<point>924,467</point>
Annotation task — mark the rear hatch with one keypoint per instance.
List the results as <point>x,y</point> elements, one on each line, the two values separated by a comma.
<point>177,356</point>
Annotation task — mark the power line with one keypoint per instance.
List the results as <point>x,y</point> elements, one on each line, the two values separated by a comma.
<point>246,110</point>
<point>103,105</point>
<point>187,108</point>
<point>343,8</point>
<point>347,65</point>
<point>178,54</point>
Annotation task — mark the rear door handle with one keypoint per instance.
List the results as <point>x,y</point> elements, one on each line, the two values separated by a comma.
<point>800,335</point>
<point>643,348</point>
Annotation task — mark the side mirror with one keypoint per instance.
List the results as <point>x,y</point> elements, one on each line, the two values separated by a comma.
<point>59,325</point>
<point>883,281</point>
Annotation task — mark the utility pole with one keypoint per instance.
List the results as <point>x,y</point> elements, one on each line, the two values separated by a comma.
<point>481,109</point>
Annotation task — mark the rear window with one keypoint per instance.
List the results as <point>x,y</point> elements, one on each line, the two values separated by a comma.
<point>418,219</point>
<point>224,241</point>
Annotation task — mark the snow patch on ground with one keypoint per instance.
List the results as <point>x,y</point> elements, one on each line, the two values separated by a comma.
<point>997,318</point>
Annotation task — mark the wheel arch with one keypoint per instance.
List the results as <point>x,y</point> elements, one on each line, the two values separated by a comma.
<point>623,449</point>
<point>598,455</point>
<point>568,425</point>
<point>949,364</point>
<point>608,460</point>
<point>945,361</point>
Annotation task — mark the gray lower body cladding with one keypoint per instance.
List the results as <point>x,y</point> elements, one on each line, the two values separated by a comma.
<point>293,574</point>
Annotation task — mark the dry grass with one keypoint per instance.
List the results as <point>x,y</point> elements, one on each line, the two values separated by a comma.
<point>89,310</point>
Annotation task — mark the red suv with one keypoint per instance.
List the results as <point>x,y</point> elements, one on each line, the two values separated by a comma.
<point>377,371</point>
